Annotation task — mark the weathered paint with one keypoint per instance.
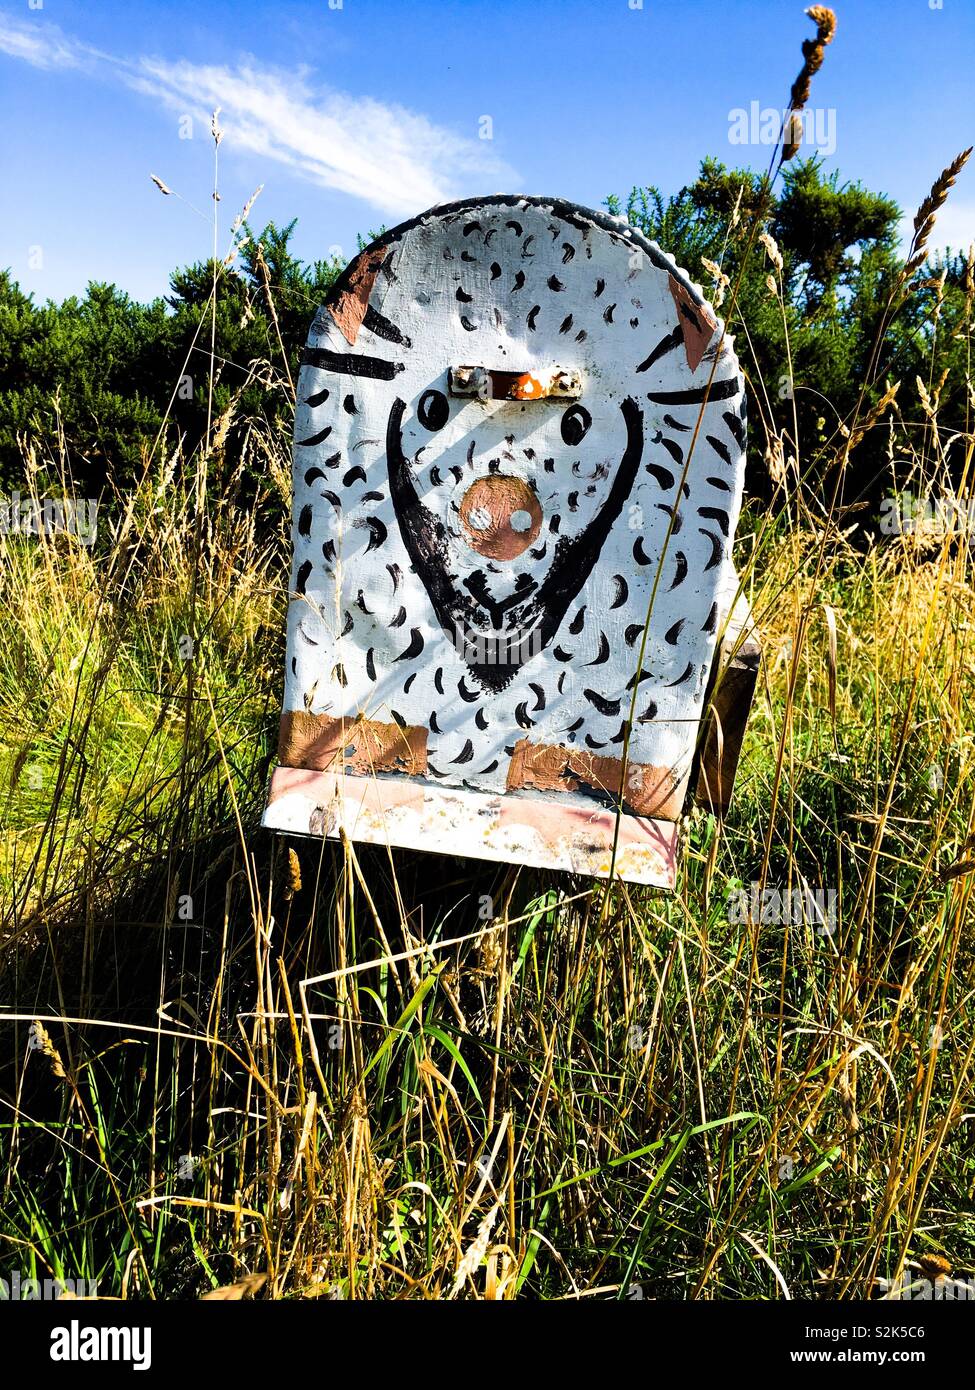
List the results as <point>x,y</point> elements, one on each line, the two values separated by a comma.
<point>476,545</point>
<point>406,813</point>
<point>500,516</point>
<point>647,791</point>
<point>361,745</point>
<point>351,306</point>
<point>696,322</point>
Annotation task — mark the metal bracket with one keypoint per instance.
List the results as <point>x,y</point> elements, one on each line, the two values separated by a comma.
<point>486,384</point>
<point>729,699</point>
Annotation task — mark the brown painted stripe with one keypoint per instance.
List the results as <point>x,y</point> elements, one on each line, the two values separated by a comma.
<point>321,742</point>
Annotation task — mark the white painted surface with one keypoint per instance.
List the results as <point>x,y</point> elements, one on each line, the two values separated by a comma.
<point>354,619</point>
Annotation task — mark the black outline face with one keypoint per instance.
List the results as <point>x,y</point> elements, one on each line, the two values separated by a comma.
<point>532,608</point>
<point>381,521</point>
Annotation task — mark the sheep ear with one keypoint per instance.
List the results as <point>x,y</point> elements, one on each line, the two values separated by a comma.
<point>696,320</point>
<point>351,305</point>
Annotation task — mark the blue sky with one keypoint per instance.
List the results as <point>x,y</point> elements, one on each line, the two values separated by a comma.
<point>366,113</point>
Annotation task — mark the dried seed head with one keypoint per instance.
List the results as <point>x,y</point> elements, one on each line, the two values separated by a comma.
<point>873,416</point>
<point>42,1041</point>
<point>924,218</point>
<point>490,950</point>
<point>791,135</point>
<point>848,1105</point>
<point>233,1293</point>
<point>927,405</point>
<point>294,875</point>
<point>813,51</point>
<point>771,250</point>
<point>242,216</point>
<point>472,1257</point>
<point>825,21</point>
<point>721,281</point>
<point>18,765</point>
<point>775,460</point>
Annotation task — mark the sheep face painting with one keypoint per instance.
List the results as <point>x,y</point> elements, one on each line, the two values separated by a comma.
<point>517,472</point>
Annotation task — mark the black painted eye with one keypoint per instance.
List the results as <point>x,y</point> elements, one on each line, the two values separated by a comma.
<point>575,424</point>
<point>433,410</point>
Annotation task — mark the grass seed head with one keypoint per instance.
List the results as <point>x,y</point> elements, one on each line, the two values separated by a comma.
<point>813,52</point>
<point>42,1039</point>
<point>294,875</point>
<point>924,218</point>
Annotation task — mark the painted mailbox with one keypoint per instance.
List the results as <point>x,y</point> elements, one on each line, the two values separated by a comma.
<point>519,431</point>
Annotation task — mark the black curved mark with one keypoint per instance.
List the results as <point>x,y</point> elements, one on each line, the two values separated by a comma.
<point>683,675</point>
<point>602,656</point>
<point>377,531</point>
<point>662,475</point>
<point>600,702</point>
<point>720,448</point>
<point>667,344</point>
<point>717,514</point>
<point>415,647</point>
<point>314,438</point>
<point>717,549</point>
<point>736,427</point>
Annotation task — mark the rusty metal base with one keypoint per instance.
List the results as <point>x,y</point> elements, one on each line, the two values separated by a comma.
<point>568,833</point>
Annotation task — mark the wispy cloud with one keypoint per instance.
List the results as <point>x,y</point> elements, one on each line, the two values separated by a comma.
<point>41,45</point>
<point>391,157</point>
<point>394,159</point>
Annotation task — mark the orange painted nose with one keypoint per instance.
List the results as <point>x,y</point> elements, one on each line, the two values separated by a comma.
<point>500,517</point>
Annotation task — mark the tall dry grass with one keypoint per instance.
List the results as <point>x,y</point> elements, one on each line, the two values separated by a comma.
<point>316,1070</point>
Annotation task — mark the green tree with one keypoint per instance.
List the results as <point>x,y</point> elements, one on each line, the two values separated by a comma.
<point>808,355</point>
<point>104,374</point>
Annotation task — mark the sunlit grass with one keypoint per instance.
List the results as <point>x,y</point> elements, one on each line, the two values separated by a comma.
<point>228,1059</point>
<point>663,1096</point>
